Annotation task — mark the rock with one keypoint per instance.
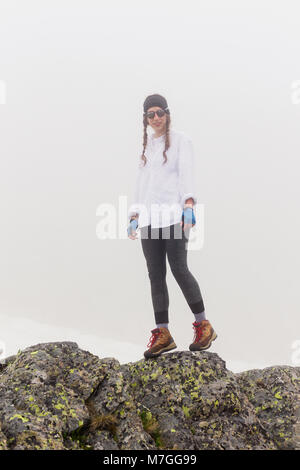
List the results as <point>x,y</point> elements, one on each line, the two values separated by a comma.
<point>57,396</point>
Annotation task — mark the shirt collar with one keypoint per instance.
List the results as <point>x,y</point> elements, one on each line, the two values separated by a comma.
<point>157,139</point>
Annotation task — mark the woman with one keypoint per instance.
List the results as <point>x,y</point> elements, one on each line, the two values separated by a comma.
<point>163,210</point>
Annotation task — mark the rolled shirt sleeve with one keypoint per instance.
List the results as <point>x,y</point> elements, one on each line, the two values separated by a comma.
<point>187,168</point>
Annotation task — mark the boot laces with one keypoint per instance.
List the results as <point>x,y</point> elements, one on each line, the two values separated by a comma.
<point>198,332</point>
<point>155,334</point>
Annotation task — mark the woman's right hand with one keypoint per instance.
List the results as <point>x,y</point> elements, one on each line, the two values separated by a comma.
<point>131,230</point>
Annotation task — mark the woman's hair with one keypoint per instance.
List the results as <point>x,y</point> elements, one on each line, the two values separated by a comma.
<point>167,140</point>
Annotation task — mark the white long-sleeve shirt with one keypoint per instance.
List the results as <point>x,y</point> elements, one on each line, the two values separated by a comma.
<point>161,189</point>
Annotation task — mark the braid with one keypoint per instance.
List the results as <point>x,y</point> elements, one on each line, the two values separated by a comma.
<point>145,137</point>
<point>167,140</point>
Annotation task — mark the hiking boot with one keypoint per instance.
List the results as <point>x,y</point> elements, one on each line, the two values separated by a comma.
<point>160,342</point>
<point>204,335</point>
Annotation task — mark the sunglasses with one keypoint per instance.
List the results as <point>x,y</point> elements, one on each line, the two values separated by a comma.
<point>160,113</point>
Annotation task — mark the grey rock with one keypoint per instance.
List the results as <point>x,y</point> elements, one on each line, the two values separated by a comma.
<point>58,396</point>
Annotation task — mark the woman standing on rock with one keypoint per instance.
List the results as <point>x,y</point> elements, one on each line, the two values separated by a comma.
<point>164,197</point>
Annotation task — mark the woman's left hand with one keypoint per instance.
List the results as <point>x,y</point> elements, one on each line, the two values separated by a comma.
<point>188,218</point>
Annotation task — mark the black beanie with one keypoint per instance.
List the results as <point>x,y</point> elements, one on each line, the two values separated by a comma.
<point>156,100</point>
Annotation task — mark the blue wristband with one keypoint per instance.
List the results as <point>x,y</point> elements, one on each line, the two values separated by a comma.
<point>188,216</point>
<point>132,226</point>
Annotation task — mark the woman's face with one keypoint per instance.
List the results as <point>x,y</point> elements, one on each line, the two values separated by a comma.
<point>158,124</point>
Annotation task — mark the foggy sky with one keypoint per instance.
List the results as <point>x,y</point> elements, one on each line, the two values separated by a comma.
<point>76,76</point>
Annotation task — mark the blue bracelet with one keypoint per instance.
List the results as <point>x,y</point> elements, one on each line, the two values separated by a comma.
<point>188,216</point>
<point>132,226</point>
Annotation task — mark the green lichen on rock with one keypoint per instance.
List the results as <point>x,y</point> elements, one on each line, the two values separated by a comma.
<point>275,401</point>
<point>57,396</point>
<point>151,426</point>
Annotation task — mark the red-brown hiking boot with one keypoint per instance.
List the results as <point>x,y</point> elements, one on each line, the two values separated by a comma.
<point>204,335</point>
<point>160,342</point>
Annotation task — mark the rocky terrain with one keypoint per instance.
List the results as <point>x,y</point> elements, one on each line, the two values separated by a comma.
<point>57,396</point>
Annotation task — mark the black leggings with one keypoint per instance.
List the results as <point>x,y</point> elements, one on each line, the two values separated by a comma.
<point>170,241</point>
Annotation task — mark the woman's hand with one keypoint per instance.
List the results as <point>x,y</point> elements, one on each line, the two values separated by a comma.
<point>188,218</point>
<point>131,230</point>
